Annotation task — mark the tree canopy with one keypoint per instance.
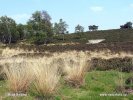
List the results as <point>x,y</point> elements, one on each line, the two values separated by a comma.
<point>128,25</point>
<point>61,27</point>
<point>79,29</point>
<point>93,27</point>
<point>8,32</point>
<point>40,26</point>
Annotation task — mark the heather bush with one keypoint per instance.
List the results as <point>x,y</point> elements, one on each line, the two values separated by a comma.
<point>121,64</point>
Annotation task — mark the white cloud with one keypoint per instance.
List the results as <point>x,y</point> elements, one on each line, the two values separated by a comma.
<point>20,18</point>
<point>96,8</point>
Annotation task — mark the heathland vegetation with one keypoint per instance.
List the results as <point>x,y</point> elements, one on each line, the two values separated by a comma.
<point>43,61</point>
<point>40,30</point>
<point>71,75</point>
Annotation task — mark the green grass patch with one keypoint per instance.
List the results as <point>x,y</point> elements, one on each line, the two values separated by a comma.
<point>97,82</point>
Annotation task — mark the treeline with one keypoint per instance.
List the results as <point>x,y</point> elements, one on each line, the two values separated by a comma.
<point>39,29</point>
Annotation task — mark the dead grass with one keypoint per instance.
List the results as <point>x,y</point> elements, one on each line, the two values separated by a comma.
<point>20,71</point>
<point>75,70</point>
<point>18,76</point>
<point>7,52</point>
<point>46,78</point>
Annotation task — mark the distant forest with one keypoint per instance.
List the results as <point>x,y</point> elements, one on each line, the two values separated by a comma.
<point>40,30</point>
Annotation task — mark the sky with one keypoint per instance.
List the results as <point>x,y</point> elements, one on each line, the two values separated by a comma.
<point>107,14</point>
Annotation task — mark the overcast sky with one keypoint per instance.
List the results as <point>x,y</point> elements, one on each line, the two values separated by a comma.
<point>107,14</point>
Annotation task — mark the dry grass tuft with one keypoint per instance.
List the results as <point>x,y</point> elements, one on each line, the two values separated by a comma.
<point>46,78</point>
<point>75,70</point>
<point>18,76</point>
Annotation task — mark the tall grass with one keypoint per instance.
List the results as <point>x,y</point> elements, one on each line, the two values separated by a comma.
<point>44,72</point>
<point>46,79</point>
<point>41,74</point>
<point>120,83</point>
<point>18,77</point>
<point>75,70</point>
<point>1,73</point>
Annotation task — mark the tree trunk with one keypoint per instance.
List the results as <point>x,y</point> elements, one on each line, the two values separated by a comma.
<point>10,39</point>
<point>63,38</point>
<point>10,36</point>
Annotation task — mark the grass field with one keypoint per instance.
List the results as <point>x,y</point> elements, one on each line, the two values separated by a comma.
<point>68,75</point>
